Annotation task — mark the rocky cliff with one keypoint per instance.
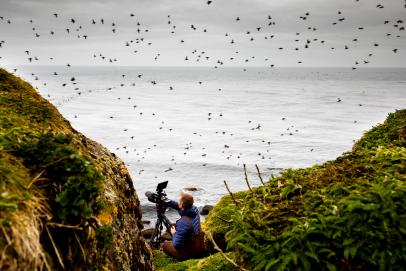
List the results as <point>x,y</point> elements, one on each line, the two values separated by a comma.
<point>66,202</point>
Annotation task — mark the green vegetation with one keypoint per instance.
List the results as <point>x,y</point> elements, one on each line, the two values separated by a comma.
<point>69,180</point>
<point>21,106</point>
<point>347,214</point>
<point>213,262</point>
<point>49,187</point>
<point>104,236</point>
<point>391,133</point>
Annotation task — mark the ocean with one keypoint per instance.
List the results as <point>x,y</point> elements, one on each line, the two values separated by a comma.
<point>196,127</point>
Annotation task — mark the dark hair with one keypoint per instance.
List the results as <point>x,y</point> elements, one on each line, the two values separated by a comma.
<point>187,200</point>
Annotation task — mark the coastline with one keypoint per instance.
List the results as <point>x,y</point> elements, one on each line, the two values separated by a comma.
<point>264,226</point>
<point>316,217</point>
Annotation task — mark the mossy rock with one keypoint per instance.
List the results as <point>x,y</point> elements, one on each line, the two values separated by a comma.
<point>45,179</point>
<point>346,214</point>
<point>215,262</point>
<point>21,106</point>
<point>62,196</point>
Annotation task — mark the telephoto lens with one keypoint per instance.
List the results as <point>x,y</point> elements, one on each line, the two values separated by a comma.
<point>152,197</point>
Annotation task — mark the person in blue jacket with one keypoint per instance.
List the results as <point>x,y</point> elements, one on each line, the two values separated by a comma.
<point>187,236</point>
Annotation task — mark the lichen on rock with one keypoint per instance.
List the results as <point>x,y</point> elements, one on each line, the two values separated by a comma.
<point>66,202</point>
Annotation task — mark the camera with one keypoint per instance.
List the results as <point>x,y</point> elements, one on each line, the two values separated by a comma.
<point>159,197</point>
<point>162,203</point>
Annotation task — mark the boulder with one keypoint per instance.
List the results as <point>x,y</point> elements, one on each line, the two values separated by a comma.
<point>206,209</point>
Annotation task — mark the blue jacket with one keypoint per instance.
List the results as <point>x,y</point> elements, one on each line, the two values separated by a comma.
<point>184,231</point>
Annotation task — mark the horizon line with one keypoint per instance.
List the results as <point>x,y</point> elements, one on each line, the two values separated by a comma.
<point>212,67</point>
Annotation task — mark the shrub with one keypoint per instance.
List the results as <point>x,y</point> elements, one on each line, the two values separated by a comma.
<point>347,214</point>
<point>70,180</point>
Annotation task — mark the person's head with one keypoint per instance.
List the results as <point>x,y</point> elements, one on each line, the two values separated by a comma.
<point>185,201</point>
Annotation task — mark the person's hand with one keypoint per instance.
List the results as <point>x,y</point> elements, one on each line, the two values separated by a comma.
<point>173,230</point>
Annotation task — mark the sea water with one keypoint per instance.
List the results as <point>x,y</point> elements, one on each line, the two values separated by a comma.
<point>196,127</point>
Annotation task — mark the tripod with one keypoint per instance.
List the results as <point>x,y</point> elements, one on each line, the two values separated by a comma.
<point>161,203</point>
<point>162,220</point>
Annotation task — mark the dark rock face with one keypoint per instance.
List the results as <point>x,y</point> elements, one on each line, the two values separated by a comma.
<point>129,250</point>
<point>206,209</point>
<point>147,233</point>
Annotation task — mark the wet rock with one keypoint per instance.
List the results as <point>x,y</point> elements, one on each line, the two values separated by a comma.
<point>206,209</point>
<point>191,189</point>
<point>147,233</point>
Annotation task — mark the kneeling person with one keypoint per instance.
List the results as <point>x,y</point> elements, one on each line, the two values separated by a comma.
<point>187,236</point>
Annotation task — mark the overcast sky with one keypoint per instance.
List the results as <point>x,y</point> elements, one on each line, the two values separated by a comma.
<point>215,26</point>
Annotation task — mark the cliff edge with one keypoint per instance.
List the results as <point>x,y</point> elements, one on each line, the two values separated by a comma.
<point>66,202</point>
<point>346,214</point>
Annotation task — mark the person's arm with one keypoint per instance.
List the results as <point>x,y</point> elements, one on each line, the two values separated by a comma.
<point>174,204</point>
<point>179,238</point>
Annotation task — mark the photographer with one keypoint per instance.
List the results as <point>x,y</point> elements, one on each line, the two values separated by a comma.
<point>187,236</point>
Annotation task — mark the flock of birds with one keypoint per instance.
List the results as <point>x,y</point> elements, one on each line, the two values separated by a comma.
<point>81,31</point>
<point>303,40</point>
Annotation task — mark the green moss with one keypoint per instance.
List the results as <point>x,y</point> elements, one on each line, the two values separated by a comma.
<point>44,167</point>
<point>104,236</point>
<point>214,262</point>
<point>14,179</point>
<point>21,106</point>
<point>347,214</point>
<point>72,183</point>
<point>161,260</point>
<point>391,132</point>
<point>12,172</point>
<point>217,221</point>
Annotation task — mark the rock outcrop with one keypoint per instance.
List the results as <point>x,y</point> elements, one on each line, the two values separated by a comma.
<point>129,250</point>
<point>66,202</point>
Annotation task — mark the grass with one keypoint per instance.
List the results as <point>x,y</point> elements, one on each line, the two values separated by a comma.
<point>49,187</point>
<point>347,214</point>
<point>21,106</point>
<point>213,262</point>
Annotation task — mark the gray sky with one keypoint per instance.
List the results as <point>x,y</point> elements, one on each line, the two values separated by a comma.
<point>160,47</point>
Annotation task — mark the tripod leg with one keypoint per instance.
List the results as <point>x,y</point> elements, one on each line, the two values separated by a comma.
<point>156,235</point>
<point>167,223</point>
